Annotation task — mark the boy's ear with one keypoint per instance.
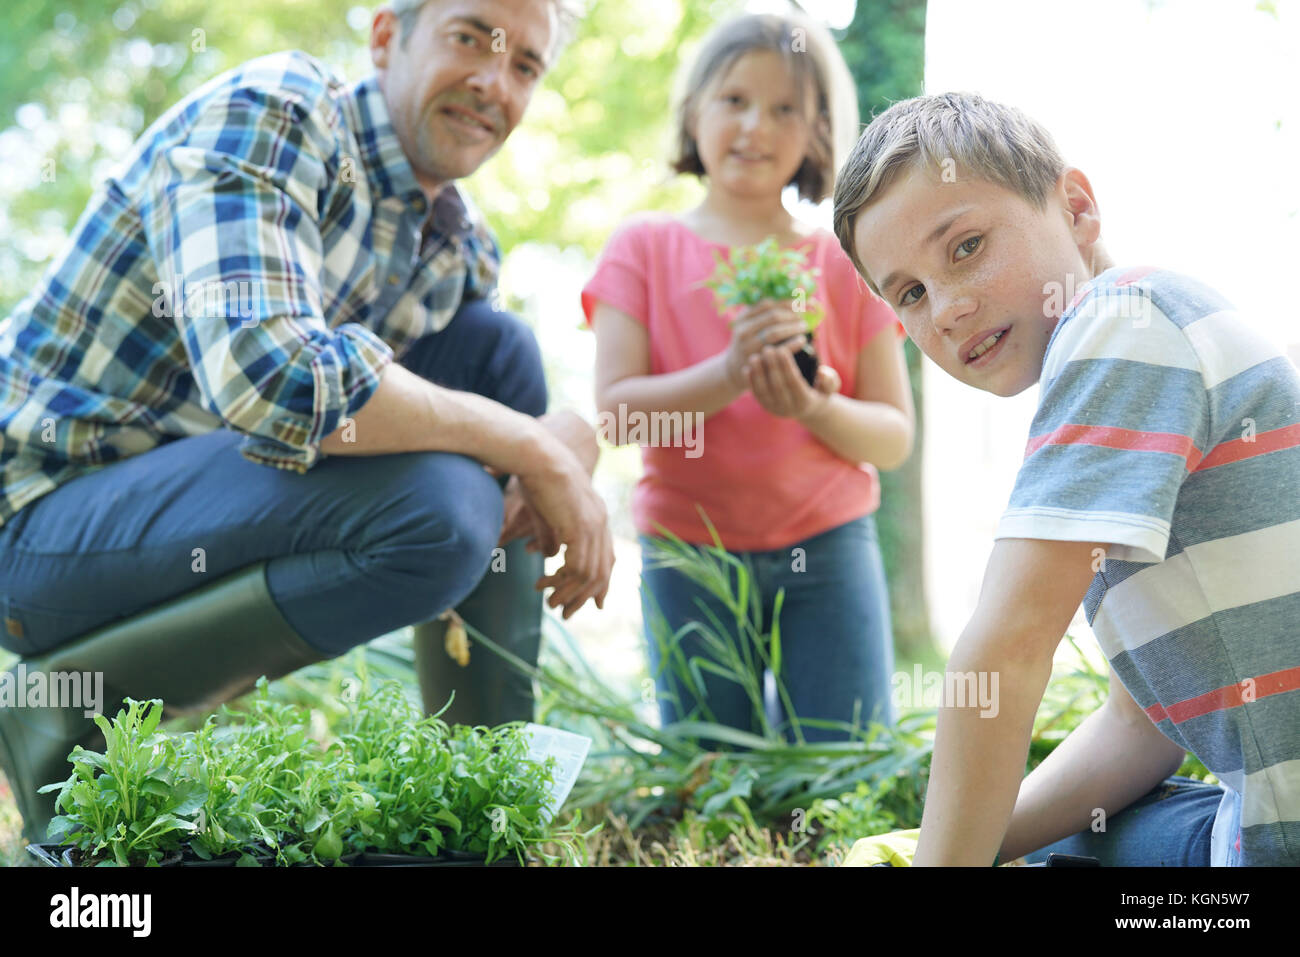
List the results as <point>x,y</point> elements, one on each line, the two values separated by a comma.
<point>1080,204</point>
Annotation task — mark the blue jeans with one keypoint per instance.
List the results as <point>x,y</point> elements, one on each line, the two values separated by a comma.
<point>358,546</point>
<point>1169,827</point>
<point>836,637</point>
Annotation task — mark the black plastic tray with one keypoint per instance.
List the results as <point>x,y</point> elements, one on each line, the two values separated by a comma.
<point>56,855</point>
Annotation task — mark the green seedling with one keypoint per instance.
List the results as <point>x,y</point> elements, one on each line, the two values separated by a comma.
<point>258,788</point>
<point>764,273</point>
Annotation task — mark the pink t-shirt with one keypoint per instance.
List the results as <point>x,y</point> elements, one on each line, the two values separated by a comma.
<point>765,482</point>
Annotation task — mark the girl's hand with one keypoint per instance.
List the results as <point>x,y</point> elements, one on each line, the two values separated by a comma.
<point>779,387</point>
<point>762,324</point>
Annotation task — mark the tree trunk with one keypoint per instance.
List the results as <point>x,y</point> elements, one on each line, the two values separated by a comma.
<point>884,47</point>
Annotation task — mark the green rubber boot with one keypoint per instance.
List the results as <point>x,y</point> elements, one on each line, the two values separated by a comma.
<point>506,608</point>
<point>194,652</point>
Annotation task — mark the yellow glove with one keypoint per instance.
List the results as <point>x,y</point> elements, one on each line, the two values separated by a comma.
<point>896,848</point>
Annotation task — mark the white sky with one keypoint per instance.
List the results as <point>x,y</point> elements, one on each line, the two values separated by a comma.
<point>1173,111</point>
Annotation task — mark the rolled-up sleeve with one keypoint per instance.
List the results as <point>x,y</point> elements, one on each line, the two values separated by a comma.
<point>232,220</point>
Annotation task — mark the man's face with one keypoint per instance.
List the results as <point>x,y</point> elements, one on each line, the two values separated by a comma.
<point>461,83</point>
<point>962,261</point>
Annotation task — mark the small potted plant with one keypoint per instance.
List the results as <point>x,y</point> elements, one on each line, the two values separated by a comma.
<point>766,272</point>
<point>396,789</point>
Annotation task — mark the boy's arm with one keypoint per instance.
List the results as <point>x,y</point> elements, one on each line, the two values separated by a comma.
<point>1109,761</point>
<point>1030,592</point>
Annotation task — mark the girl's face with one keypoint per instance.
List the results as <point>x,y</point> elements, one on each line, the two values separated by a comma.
<point>751,126</point>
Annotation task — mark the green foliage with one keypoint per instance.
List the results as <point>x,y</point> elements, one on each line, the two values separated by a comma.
<point>594,146</point>
<point>884,47</point>
<point>395,781</point>
<point>727,781</point>
<point>766,273</point>
<point>737,650</point>
<point>892,804</point>
<point>135,801</point>
<point>590,150</point>
<point>93,78</point>
<point>718,784</point>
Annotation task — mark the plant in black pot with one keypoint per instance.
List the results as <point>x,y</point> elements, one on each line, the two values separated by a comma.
<point>766,272</point>
<point>396,789</point>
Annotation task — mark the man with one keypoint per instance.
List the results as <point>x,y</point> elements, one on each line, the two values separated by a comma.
<point>264,388</point>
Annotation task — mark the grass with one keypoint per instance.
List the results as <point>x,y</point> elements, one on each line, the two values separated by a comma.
<point>691,844</point>
<point>664,796</point>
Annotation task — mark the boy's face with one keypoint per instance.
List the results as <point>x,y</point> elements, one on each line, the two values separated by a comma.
<point>962,261</point>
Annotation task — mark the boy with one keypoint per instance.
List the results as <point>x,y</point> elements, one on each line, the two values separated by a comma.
<point>1160,486</point>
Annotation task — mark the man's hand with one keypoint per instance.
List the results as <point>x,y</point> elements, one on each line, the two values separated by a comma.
<point>521,520</point>
<point>409,414</point>
<point>564,500</point>
<point>554,504</point>
<point>780,387</point>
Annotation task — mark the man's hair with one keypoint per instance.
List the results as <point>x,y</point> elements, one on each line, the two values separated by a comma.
<point>809,52</point>
<point>568,13</point>
<point>958,132</point>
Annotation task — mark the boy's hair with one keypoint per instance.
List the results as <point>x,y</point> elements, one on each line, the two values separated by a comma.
<point>809,52</point>
<point>961,132</point>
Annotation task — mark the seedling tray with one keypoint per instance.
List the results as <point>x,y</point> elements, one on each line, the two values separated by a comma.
<point>56,855</point>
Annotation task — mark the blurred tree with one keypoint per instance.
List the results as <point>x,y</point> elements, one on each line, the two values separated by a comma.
<point>80,80</point>
<point>884,47</point>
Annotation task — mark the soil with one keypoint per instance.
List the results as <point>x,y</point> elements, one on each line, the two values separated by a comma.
<point>807,361</point>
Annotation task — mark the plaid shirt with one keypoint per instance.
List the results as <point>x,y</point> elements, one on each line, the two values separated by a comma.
<point>265,252</point>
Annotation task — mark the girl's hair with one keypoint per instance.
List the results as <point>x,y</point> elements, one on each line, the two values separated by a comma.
<point>809,52</point>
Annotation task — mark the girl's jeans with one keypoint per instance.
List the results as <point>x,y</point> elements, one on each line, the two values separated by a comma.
<point>1169,827</point>
<point>358,546</point>
<point>836,638</point>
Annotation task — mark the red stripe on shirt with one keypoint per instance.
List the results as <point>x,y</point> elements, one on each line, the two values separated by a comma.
<point>1114,438</point>
<point>1273,440</point>
<point>1229,696</point>
<point>1133,275</point>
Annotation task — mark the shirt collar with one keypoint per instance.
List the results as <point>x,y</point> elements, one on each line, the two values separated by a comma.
<point>389,171</point>
<point>386,166</point>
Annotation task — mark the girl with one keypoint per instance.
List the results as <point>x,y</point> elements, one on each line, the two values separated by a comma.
<point>785,472</point>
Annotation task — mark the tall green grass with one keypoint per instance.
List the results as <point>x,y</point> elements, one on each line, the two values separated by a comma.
<point>697,765</point>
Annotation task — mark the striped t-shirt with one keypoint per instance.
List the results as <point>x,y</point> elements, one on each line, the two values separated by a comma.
<point>1169,429</point>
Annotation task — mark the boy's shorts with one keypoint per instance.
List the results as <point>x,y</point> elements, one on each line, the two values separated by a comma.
<point>1171,826</point>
